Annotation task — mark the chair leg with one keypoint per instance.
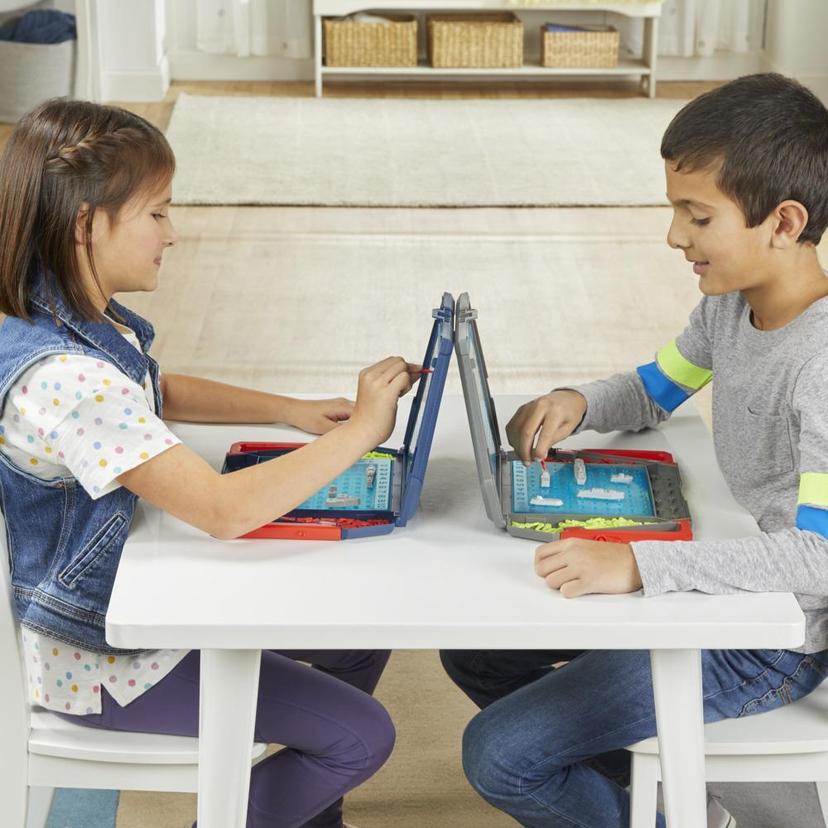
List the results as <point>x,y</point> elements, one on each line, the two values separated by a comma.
<point>40,803</point>
<point>13,792</point>
<point>822,793</point>
<point>643,791</point>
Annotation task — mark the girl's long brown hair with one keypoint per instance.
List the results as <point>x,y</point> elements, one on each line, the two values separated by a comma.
<point>64,161</point>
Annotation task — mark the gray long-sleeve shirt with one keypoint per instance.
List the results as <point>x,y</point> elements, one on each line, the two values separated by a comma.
<point>770,425</point>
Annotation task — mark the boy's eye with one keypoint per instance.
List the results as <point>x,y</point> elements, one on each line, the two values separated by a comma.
<point>700,222</point>
<point>159,215</point>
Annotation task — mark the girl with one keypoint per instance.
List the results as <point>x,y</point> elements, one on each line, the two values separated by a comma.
<point>84,214</point>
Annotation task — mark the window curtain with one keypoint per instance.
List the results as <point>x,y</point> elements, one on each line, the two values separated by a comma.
<point>688,28</point>
<point>245,28</point>
<point>700,27</point>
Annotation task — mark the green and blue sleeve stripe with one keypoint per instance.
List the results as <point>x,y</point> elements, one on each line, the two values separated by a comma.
<point>812,509</point>
<point>672,379</point>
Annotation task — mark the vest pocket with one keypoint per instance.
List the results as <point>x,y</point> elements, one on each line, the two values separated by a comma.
<point>100,543</point>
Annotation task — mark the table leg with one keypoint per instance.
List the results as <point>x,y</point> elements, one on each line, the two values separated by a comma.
<point>677,689</point>
<point>228,692</point>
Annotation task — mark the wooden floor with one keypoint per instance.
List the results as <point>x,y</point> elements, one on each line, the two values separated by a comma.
<point>159,112</point>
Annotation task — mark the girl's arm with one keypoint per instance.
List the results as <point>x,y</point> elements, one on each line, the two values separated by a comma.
<point>228,505</point>
<point>197,400</point>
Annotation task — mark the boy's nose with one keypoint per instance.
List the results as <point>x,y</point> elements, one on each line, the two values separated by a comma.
<point>675,238</point>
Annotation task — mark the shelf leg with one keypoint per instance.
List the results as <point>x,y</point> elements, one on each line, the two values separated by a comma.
<point>317,54</point>
<point>650,53</point>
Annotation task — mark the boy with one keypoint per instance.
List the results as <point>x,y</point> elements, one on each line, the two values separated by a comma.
<point>747,175</point>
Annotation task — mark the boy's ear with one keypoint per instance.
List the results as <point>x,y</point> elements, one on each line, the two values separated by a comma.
<point>790,219</point>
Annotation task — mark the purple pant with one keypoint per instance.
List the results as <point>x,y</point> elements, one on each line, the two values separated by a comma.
<point>337,735</point>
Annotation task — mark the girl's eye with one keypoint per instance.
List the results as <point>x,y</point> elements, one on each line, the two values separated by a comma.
<point>700,222</point>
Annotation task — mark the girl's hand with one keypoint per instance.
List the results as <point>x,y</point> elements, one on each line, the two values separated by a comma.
<point>319,416</point>
<point>380,387</point>
<point>575,566</point>
<point>550,418</point>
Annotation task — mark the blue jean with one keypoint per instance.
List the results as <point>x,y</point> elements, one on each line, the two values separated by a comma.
<point>529,753</point>
<point>337,735</point>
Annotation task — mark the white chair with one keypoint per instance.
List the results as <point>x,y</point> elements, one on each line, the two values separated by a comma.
<point>41,751</point>
<point>789,744</point>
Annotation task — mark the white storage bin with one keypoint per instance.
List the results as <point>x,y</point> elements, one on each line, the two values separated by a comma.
<point>32,72</point>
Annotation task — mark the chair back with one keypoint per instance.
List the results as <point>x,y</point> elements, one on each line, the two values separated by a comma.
<point>14,707</point>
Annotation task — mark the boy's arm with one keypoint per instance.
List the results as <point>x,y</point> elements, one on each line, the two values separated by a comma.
<point>627,402</point>
<point>648,396</point>
<point>193,399</point>
<point>791,559</point>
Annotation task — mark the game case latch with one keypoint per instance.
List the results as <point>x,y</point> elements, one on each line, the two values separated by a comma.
<point>466,314</point>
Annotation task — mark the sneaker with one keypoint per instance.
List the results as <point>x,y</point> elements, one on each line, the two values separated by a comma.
<point>717,815</point>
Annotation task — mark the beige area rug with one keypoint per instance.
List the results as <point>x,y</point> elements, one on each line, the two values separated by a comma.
<point>396,153</point>
<point>302,299</point>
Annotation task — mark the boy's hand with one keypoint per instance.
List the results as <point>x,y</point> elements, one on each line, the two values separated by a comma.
<point>550,418</point>
<point>579,567</point>
<point>380,387</point>
<point>319,416</point>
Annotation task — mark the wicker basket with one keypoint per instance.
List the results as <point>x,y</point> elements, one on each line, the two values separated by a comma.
<point>475,41</point>
<point>590,47</point>
<point>351,43</point>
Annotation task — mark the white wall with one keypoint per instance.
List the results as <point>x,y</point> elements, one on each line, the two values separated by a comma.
<point>133,60</point>
<point>796,42</point>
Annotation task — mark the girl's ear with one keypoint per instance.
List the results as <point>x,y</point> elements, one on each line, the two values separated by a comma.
<point>82,229</point>
<point>791,220</point>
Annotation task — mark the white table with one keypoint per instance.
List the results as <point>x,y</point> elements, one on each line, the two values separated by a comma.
<point>447,580</point>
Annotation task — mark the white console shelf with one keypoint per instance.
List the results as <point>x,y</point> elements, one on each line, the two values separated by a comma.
<point>643,68</point>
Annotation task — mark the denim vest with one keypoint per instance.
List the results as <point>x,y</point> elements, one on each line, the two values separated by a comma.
<point>65,546</point>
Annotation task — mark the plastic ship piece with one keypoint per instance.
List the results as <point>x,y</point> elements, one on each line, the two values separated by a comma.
<point>621,477</point>
<point>538,500</point>
<point>579,470</point>
<point>371,475</point>
<point>342,500</point>
<point>602,494</point>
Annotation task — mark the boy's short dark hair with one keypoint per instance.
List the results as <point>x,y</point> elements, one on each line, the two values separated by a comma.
<point>769,136</point>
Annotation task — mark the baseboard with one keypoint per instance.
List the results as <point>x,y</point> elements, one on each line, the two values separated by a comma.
<point>195,65</point>
<point>137,86</point>
<point>721,66</point>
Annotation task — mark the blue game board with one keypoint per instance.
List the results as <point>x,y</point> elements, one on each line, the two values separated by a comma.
<point>358,488</point>
<point>526,484</point>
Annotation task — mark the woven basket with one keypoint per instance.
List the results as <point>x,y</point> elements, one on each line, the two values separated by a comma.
<point>595,47</point>
<point>351,43</point>
<point>475,41</point>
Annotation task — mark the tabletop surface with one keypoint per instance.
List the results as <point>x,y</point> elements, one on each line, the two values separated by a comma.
<point>449,579</point>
